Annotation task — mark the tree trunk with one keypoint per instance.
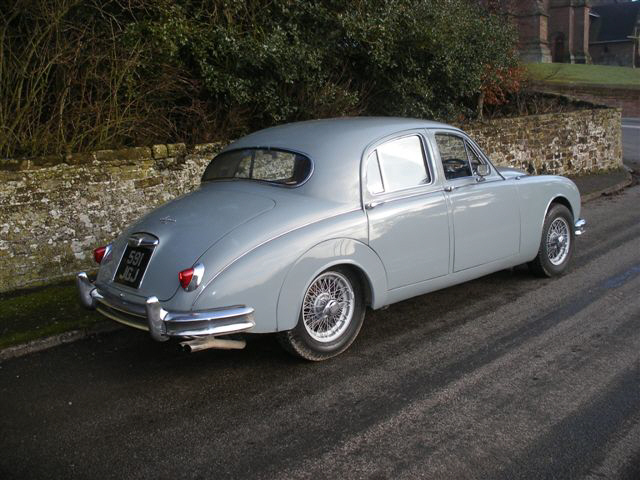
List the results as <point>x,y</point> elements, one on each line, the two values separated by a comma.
<point>480,109</point>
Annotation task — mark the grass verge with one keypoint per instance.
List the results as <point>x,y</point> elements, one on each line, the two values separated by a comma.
<point>42,312</point>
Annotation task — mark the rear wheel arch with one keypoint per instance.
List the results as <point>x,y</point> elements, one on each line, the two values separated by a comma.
<point>332,316</point>
<point>363,278</point>
<point>355,256</point>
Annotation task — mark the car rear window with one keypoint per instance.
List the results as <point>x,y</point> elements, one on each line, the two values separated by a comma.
<point>265,165</point>
<point>402,163</point>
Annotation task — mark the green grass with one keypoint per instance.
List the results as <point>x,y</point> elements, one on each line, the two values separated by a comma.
<point>34,314</point>
<point>570,74</point>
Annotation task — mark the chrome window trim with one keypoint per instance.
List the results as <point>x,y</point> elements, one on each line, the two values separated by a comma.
<point>377,160</point>
<point>453,133</point>
<point>495,174</point>
<point>481,155</point>
<point>468,148</point>
<point>386,196</point>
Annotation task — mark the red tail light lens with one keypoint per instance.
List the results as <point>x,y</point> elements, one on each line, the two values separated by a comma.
<point>98,254</point>
<point>185,277</point>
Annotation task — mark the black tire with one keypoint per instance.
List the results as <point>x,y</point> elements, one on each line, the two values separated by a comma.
<point>299,341</point>
<point>542,265</point>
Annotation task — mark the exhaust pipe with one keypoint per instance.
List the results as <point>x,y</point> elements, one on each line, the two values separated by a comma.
<point>205,343</point>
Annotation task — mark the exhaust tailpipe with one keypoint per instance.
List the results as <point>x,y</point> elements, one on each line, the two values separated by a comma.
<point>211,342</point>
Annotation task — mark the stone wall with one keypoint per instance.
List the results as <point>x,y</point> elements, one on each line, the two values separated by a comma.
<point>54,211</point>
<point>572,143</point>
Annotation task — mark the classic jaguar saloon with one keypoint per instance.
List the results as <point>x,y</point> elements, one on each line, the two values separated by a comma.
<point>297,229</point>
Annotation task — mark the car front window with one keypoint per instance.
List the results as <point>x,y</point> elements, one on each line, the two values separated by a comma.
<point>473,158</point>
<point>265,165</point>
<point>453,155</point>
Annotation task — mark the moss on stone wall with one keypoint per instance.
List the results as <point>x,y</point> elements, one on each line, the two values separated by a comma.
<point>53,215</point>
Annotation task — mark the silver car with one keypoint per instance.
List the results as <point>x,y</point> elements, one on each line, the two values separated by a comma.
<point>297,229</point>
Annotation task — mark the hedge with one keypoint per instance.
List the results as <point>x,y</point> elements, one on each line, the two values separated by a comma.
<point>84,74</point>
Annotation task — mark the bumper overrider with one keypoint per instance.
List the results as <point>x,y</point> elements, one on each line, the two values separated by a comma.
<point>163,324</point>
<point>580,226</point>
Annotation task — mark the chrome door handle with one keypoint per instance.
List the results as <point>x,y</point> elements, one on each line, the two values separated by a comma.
<point>451,188</point>
<point>373,204</point>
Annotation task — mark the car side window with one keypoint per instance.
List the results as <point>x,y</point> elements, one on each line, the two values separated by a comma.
<point>473,158</point>
<point>402,163</point>
<point>374,177</point>
<point>453,154</point>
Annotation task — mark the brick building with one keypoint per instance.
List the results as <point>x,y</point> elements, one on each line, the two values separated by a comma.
<point>614,34</point>
<point>559,30</point>
<point>551,30</point>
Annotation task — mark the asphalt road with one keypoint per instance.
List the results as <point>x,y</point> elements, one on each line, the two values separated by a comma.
<point>631,141</point>
<point>505,377</point>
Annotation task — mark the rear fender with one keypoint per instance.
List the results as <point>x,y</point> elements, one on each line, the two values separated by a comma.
<point>342,251</point>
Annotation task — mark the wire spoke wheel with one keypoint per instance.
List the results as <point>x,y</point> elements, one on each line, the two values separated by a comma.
<point>558,241</point>
<point>332,313</point>
<point>328,307</point>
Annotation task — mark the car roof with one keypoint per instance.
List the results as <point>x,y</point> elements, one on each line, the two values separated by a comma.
<point>335,147</point>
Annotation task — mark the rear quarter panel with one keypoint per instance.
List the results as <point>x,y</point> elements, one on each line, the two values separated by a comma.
<point>272,277</point>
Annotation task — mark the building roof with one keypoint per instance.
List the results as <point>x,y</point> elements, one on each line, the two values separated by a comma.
<point>616,22</point>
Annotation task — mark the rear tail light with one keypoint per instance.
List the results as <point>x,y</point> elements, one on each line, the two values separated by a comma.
<point>98,253</point>
<point>185,277</point>
<point>191,277</point>
<point>102,254</point>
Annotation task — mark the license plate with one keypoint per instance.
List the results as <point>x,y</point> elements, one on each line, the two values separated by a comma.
<point>132,266</point>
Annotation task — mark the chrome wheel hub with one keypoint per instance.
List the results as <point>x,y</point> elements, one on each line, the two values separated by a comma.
<point>558,240</point>
<point>328,307</point>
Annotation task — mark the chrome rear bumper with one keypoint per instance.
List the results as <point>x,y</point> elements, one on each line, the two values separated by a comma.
<point>580,226</point>
<point>163,324</point>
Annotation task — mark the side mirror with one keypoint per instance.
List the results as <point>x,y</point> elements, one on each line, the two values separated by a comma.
<point>483,170</point>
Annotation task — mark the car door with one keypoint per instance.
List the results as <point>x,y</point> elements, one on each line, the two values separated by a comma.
<point>406,209</point>
<point>485,210</point>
